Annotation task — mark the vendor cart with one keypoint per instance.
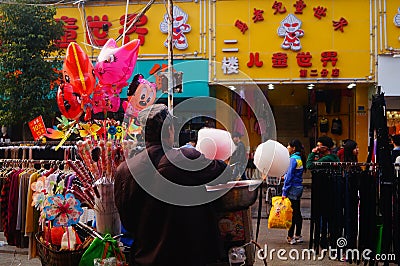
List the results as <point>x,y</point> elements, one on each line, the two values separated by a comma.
<point>235,221</point>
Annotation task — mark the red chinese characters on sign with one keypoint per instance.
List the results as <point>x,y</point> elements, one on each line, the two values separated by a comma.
<point>338,25</point>
<point>303,73</point>
<point>319,12</point>
<point>255,60</point>
<point>300,5</point>
<point>329,56</point>
<point>241,26</point>
<point>304,59</point>
<point>98,30</point>
<point>258,15</point>
<point>37,127</point>
<point>314,73</point>
<point>70,33</point>
<point>138,28</point>
<point>279,60</point>
<point>278,8</point>
<point>324,73</point>
<point>335,72</point>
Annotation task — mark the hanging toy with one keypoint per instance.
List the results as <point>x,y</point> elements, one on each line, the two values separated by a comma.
<point>79,74</point>
<point>69,101</point>
<point>141,94</point>
<point>115,64</point>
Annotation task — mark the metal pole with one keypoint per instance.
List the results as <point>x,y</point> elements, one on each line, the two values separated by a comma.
<point>170,57</point>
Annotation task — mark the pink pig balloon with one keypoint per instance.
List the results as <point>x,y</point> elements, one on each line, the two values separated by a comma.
<point>215,143</point>
<point>115,64</point>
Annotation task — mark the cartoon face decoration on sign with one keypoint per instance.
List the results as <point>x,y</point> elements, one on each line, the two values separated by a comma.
<point>291,33</point>
<point>78,70</point>
<point>179,28</point>
<point>69,101</point>
<point>115,65</point>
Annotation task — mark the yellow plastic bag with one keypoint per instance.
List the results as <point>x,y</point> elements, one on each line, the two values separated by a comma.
<point>281,213</point>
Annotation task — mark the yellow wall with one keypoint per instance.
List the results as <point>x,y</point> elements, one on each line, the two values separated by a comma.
<point>389,39</point>
<point>154,39</point>
<point>361,121</point>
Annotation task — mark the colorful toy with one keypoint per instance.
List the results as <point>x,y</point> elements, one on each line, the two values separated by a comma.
<point>69,101</point>
<point>106,98</point>
<point>141,93</point>
<point>115,64</point>
<point>64,211</point>
<point>78,72</point>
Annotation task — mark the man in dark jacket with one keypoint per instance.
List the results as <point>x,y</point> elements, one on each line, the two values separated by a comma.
<point>239,158</point>
<point>155,193</point>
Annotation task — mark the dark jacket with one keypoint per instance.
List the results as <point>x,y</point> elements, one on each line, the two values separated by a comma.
<point>394,154</point>
<point>239,155</point>
<point>166,234</point>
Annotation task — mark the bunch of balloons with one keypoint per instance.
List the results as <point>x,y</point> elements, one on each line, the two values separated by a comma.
<point>78,92</point>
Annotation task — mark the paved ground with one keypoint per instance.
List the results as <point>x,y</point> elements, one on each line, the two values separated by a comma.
<point>270,238</point>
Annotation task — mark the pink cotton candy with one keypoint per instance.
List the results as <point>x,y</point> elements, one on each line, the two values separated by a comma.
<point>215,143</point>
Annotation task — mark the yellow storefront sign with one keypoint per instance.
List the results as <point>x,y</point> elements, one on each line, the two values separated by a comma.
<point>93,24</point>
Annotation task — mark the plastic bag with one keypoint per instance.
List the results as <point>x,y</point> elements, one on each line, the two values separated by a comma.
<point>281,213</point>
<point>106,248</point>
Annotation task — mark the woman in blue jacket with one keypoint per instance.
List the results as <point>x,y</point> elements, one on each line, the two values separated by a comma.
<point>293,188</point>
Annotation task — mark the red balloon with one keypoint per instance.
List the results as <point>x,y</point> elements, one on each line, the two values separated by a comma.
<point>69,101</point>
<point>78,70</point>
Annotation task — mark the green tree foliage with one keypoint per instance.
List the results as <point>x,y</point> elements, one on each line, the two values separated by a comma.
<point>29,58</point>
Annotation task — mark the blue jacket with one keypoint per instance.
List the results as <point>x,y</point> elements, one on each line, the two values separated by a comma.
<point>294,175</point>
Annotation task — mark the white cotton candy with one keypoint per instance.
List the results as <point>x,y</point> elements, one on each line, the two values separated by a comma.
<point>272,158</point>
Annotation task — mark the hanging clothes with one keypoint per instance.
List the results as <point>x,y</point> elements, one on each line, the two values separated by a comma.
<point>324,125</point>
<point>342,205</point>
<point>336,126</point>
<point>386,180</point>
